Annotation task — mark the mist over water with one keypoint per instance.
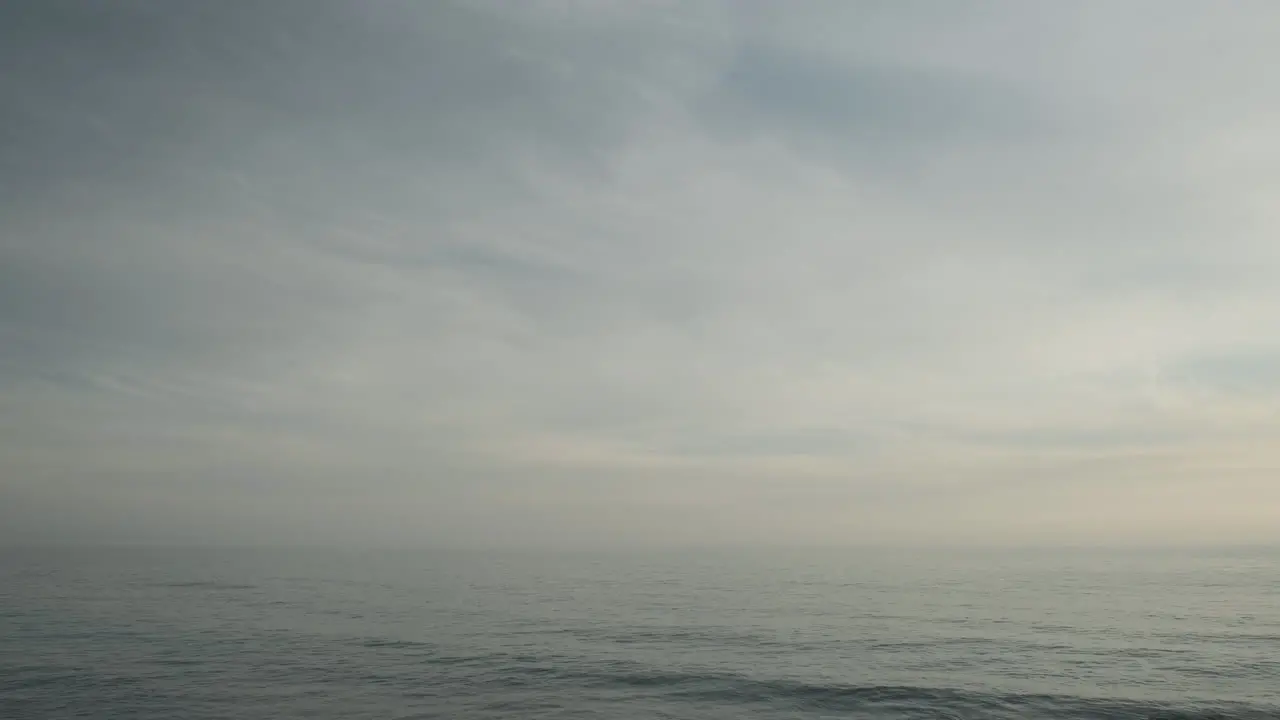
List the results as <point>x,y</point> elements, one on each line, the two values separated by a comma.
<point>1094,634</point>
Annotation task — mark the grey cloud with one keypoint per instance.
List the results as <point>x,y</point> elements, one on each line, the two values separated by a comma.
<point>148,126</point>
<point>152,86</point>
<point>518,272</point>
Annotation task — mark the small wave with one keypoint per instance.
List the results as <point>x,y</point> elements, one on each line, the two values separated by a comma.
<point>347,614</point>
<point>394,644</point>
<point>661,637</point>
<point>1218,637</point>
<point>792,695</point>
<point>178,662</point>
<point>205,585</point>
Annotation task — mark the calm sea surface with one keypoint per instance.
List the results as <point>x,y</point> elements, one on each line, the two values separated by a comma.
<point>247,634</point>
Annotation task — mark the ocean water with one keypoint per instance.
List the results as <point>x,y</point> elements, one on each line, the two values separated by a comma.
<point>249,634</point>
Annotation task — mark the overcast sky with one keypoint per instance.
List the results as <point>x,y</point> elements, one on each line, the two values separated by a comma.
<point>591,272</point>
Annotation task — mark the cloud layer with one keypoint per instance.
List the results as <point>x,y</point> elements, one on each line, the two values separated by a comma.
<point>639,273</point>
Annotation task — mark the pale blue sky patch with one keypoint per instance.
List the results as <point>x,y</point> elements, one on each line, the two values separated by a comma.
<point>1251,371</point>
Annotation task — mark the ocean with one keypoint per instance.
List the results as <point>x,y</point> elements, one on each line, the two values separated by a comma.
<point>254,634</point>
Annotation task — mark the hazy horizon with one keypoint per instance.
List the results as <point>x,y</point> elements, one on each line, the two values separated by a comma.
<point>559,274</point>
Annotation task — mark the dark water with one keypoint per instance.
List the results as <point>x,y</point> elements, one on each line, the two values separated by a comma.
<point>825,634</point>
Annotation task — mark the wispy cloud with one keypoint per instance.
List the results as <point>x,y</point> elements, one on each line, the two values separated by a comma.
<point>638,272</point>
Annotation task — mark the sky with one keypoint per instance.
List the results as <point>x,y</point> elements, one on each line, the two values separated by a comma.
<point>598,273</point>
